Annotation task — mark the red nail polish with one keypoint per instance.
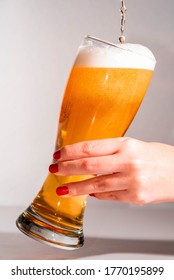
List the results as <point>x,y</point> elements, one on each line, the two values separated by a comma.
<point>62,190</point>
<point>53,168</point>
<point>92,194</point>
<point>56,155</point>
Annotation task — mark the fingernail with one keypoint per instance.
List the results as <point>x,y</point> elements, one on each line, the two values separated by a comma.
<point>56,155</point>
<point>62,190</point>
<point>53,168</point>
<point>92,194</point>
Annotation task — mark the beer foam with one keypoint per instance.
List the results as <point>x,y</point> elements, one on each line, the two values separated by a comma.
<point>125,55</point>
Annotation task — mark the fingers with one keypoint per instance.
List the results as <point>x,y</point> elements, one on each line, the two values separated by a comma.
<point>94,165</point>
<point>89,149</point>
<point>99,184</point>
<point>91,157</point>
<point>121,196</point>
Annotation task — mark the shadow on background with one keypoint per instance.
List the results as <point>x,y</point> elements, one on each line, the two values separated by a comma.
<point>15,246</point>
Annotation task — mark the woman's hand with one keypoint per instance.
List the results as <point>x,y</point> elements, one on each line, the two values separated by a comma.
<point>129,170</point>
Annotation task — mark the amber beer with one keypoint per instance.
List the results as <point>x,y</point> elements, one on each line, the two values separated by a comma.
<point>105,89</point>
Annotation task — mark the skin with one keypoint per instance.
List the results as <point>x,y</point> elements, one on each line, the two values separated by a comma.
<point>131,171</point>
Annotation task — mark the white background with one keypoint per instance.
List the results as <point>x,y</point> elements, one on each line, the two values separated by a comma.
<point>38,43</point>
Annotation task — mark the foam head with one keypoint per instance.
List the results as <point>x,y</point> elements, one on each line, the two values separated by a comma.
<point>96,53</point>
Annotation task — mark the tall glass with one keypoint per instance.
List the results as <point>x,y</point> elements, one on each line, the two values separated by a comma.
<point>105,88</point>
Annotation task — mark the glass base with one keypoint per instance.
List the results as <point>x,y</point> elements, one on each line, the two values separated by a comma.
<point>33,225</point>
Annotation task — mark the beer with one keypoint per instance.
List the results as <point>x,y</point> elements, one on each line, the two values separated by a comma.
<point>93,108</point>
<point>105,89</point>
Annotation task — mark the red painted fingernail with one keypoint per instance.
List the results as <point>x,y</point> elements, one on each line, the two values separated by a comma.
<point>92,194</point>
<point>53,168</point>
<point>62,190</point>
<point>56,155</point>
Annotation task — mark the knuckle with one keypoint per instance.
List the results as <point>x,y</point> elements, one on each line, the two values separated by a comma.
<point>112,196</point>
<point>137,193</point>
<point>137,190</point>
<point>134,166</point>
<point>99,185</point>
<point>131,142</point>
<point>87,148</point>
<point>89,165</point>
<point>84,164</point>
<point>131,147</point>
<point>137,181</point>
<point>65,152</point>
<point>63,168</point>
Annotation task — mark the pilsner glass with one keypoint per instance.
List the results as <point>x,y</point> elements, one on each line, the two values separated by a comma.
<point>105,88</point>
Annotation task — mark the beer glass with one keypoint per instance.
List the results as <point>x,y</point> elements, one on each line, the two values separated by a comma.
<point>105,88</point>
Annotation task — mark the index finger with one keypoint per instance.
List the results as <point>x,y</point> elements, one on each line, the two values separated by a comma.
<point>93,148</point>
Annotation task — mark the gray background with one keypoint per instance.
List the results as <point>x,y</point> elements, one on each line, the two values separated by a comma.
<point>38,42</point>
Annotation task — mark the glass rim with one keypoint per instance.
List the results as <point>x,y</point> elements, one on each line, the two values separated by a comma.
<point>86,37</point>
<point>101,41</point>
